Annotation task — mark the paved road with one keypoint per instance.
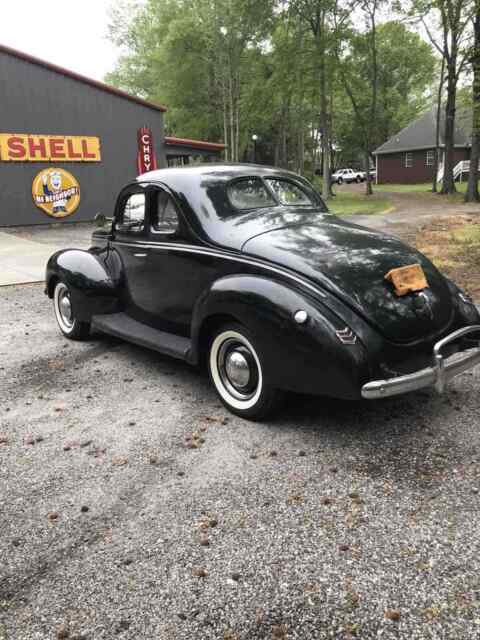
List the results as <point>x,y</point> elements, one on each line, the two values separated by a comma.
<point>334,520</point>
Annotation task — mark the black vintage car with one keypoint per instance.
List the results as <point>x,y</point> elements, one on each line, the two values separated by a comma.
<point>243,268</point>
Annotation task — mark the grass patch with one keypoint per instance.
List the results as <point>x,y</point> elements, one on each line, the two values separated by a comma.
<point>425,187</point>
<point>468,235</point>
<point>403,188</point>
<point>347,203</point>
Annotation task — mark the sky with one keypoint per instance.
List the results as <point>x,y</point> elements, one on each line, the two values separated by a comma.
<point>70,33</point>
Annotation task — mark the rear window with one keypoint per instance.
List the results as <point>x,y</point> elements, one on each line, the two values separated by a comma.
<point>288,193</point>
<point>250,193</point>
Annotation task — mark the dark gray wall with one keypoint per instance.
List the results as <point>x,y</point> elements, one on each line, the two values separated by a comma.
<point>36,100</point>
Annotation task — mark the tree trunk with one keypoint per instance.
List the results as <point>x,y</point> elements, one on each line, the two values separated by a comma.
<point>225,127</point>
<point>237,128</point>
<point>284,147</point>
<point>373,113</point>
<point>436,162</point>
<point>368,177</point>
<point>324,122</point>
<point>472,194</point>
<point>283,150</point>
<point>326,187</point>
<point>276,152</point>
<point>231,117</point>
<point>301,151</point>
<point>448,185</point>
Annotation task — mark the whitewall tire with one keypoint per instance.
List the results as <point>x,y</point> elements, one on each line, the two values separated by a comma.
<point>70,326</point>
<point>237,373</point>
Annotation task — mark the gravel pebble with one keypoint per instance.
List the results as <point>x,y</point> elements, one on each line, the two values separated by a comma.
<point>404,504</point>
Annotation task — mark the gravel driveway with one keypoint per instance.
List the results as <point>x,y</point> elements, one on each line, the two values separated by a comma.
<point>412,210</point>
<point>132,506</point>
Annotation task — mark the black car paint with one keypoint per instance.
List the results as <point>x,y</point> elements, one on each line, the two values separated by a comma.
<point>258,268</point>
<point>352,262</point>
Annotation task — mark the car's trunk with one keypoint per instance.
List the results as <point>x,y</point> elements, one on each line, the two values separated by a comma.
<point>352,261</point>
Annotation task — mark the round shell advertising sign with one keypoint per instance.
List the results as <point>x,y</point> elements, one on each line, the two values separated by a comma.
<point>56,192</point>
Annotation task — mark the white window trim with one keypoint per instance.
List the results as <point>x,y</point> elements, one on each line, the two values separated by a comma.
<point>430,158</point>
<point>408,161</point>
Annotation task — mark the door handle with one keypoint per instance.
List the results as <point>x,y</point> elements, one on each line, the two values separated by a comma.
<point>140,255</point>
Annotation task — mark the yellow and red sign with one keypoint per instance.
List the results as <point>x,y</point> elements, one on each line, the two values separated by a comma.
<point>56,192</point>
<point>23,147</point>
<point>146,158</point>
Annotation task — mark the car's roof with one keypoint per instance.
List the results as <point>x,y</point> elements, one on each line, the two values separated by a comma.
<point>216,171</point>
<point>201,190</point>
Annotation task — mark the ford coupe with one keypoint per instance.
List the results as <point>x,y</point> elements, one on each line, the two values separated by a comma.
<point>242,268</point>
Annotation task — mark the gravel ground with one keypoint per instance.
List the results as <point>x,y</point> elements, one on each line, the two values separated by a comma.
<point>334,520</point>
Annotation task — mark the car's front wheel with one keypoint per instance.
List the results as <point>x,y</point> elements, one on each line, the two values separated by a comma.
<point>358,179</point>
<point>236,369</point>
<point>69,325</point>
<point>339,180</point>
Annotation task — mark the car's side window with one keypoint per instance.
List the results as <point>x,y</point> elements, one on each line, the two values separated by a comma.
<point>164,213</point>
<point>288,193</point>
<point>132,216</point>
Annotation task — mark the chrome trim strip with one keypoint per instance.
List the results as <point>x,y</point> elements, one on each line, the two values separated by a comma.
<point>346,336</point>
<point>227,256</point>
<point>441,372</point>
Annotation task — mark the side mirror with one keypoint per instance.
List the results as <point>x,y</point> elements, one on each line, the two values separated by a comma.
<point>100,220</point>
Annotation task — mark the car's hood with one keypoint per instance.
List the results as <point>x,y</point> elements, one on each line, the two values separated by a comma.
<point>351,262</point>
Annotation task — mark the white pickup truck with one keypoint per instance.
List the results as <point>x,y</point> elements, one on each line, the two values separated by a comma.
<point>348,175</point>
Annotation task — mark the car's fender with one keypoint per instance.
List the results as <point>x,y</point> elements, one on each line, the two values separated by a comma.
<point>305,357</point>
<point>92,288</point>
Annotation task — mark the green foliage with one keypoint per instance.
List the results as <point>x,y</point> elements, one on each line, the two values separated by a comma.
<point>405,68</point>
<point>229,68</point>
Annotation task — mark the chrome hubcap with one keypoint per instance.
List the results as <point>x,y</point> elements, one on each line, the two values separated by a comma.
<point>65,308</point>
<point>237,369</point>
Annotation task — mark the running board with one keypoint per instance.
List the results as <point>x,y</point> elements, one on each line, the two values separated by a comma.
<point>123,326</point>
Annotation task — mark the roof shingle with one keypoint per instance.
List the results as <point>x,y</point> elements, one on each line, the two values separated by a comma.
<point>420,134</point>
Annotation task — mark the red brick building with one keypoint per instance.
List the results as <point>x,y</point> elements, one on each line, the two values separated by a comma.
<point>408,157</point>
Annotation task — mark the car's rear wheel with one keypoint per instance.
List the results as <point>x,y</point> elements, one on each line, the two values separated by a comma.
<point>236,369</point>
<point>340,181</point>
<point>358,179</point>
<point>69,325</point>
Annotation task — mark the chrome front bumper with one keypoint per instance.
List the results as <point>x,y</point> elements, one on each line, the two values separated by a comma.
<point>442,370</point>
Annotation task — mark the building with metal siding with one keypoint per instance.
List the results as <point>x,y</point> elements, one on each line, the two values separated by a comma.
<point>42,99</point>
<point>182,151</point>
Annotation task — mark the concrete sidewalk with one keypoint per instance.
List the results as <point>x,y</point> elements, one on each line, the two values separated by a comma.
<point>21,260</point>
<point>24,251</point>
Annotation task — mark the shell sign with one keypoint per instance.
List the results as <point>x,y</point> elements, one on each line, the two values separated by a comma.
<point>21,147</point>
<point>56,192</point>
